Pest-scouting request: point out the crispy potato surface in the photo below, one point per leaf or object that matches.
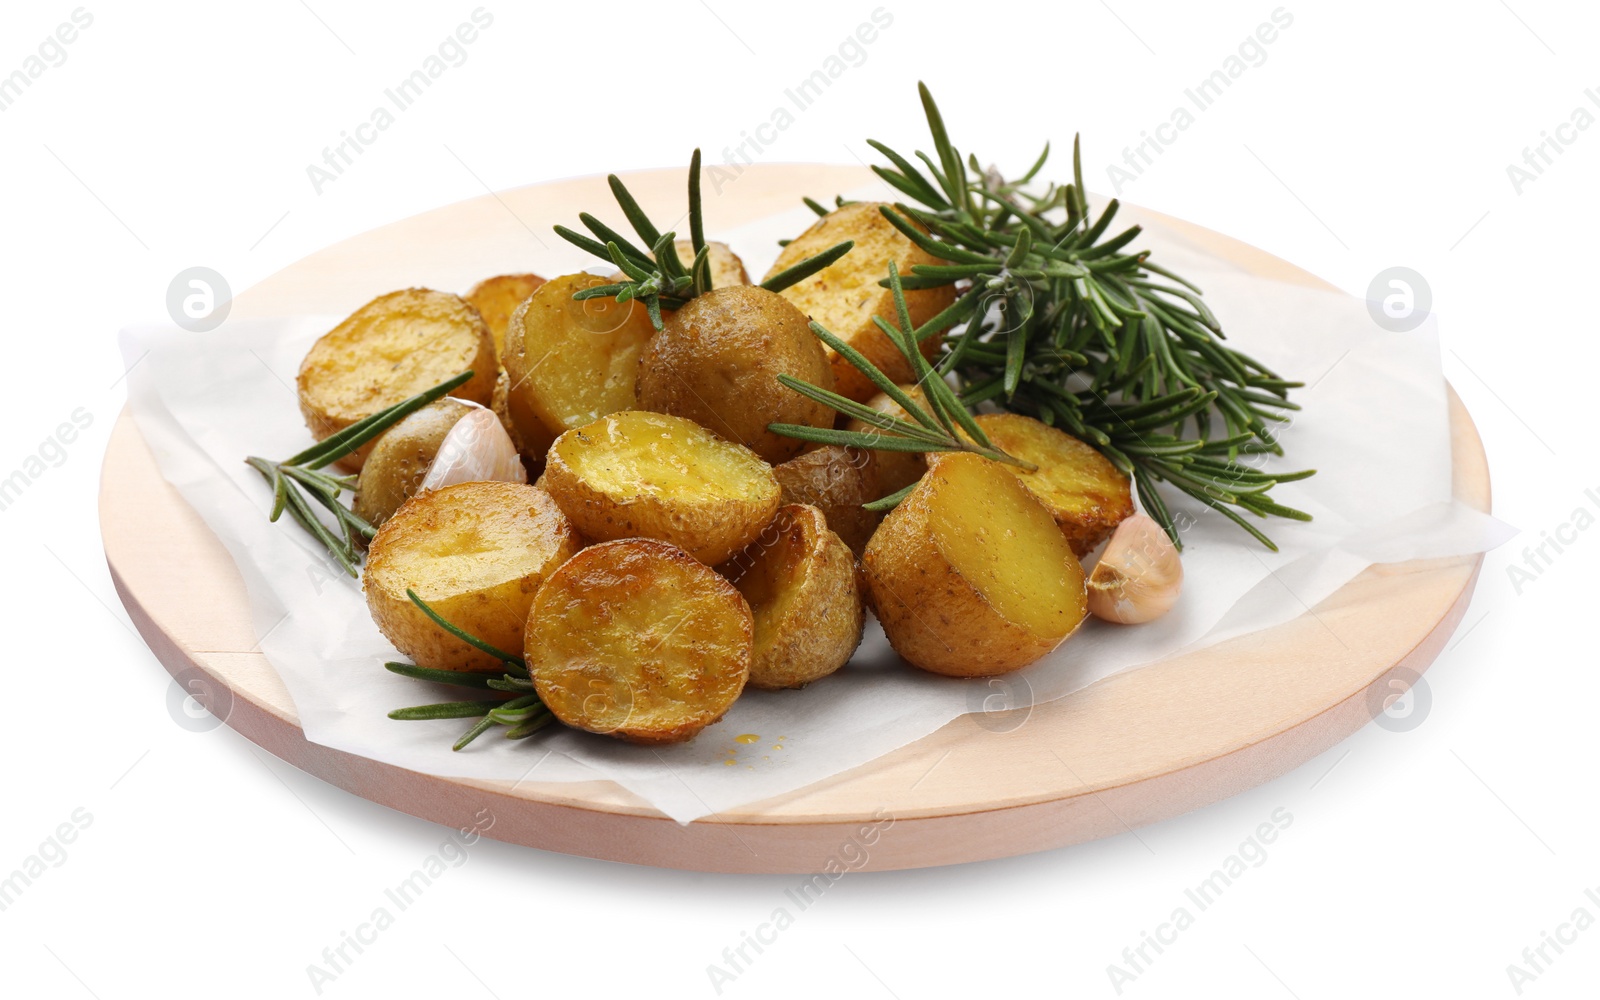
(638, 640)
(497, 298)
(837, 481)
(393, 471)
(717, 362)
(392, 348)
(970, 576)
(799, 579)
(844, 296)
(571, 362)
(1084, 492)
(477, 553)
(654, 475)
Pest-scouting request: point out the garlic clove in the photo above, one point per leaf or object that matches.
(1139, 576)
(476, 450)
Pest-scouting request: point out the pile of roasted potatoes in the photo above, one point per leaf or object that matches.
(658, 547)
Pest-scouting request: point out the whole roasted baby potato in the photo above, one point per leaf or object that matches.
(638, 640)
(844, 296)
(799, 579)
(476, 553)
(393, 471)
(390, 349)
(837, 481)
(896, 469)
(717, 362)
(970, 576)
(653, 475)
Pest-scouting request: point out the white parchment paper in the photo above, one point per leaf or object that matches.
(1375, 425)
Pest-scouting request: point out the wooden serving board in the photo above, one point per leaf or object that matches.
(1134, 749)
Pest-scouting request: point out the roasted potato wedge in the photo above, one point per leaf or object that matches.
(726, 267)
(844, 296)
(896, 469)
(569, 362)
(970, 576)
(717, 362)
(638, 640)
(837, 481)
(497, 298)
(390, 349)
(401, 457)
(477, 553)
(799, 579)
(654, 475)
(1084, 492)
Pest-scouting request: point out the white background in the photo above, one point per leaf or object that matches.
(1418, 863)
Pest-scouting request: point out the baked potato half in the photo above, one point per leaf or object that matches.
(497, 298)
(970, 576)
(845, 296)
(1084, 492)
(570, 362)
(717, 361)
(393, 471)
(639, 640)
(390, 349)
(653, 475)
(837, 481)
(799, 579)
(477, 553)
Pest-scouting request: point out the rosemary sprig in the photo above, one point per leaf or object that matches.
(522, 715)
(1074, 330)
(945, 424)
(658, 277)
(297, 476)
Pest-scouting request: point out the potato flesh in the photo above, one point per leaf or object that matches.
(1087, 495)
(578, 360)
(652, 453)
(636, 639)
(497, 298)
(1004, 543)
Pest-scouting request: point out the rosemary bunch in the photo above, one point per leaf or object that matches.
(1060, 321)
(659, 278)
(296, 480)
(523, 714)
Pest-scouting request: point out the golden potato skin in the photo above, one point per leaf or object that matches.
(836, 480)
(477, 553)
(653, 475)
(799, 579)
(726, 267)
(638, 640)
(570, 362)
(497, 298)
(401, 457)
(896, 469)
(969, 575)
(1084, 492)
(717, 362)
(844, 296)
(390, 349)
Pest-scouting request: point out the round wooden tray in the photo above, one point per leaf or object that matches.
(1134, 749)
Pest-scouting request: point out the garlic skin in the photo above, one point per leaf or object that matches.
(476, 450)
(1139, 577)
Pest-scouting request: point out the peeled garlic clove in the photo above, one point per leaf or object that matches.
(476, 450)
(1139, 576)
